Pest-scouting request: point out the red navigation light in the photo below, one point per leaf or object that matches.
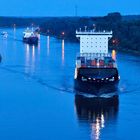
(63, 33)
(115, 41)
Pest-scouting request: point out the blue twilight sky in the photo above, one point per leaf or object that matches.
(67, 7)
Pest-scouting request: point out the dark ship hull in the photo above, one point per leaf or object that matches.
(99, 103)
(31, 40)
(96, 82)
(96, 88)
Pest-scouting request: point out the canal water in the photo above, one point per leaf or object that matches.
(38, 102)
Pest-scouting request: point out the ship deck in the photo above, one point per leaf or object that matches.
(95, 60)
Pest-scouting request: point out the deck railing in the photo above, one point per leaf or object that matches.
(93, 32)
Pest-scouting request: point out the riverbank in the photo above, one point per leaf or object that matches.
(126, 29)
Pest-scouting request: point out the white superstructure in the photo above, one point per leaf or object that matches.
(30, 33)
(93, 42)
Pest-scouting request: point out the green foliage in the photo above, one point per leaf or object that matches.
(126, 29)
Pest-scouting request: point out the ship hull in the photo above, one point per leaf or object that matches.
(88, 81)
(31, 40)
(95, 88)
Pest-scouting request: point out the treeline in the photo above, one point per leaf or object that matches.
(7, 22)
(126, 32)
(126, 29)
(65, 27)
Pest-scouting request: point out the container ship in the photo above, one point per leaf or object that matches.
(31, 36)
(96, 70)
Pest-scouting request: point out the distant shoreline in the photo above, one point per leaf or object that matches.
(126, 29)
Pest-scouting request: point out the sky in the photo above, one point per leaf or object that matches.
(67, 7)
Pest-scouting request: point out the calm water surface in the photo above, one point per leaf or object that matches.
(37, 100)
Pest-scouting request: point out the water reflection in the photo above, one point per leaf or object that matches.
(14, 32)
(48, 45)
(97, 111)
(38, 48)
(32, 53)
(27, 56)
(63, 51)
